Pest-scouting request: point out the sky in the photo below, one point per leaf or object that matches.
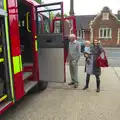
(88, 7)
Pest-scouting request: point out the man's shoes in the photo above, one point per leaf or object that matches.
(72, 83)
(86, 87)
(76, 86)
(98, 90)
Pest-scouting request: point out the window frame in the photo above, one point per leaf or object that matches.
(118, 37)
(103, 33)
(78, 33)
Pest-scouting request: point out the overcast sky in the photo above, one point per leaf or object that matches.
(88, 7)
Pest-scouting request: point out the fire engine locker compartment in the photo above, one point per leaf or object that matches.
(51, 57)
(5, 87)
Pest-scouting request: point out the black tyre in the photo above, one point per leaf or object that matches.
(42, 85)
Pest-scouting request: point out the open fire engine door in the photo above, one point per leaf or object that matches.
(50, 43)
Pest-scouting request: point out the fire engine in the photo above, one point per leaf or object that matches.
(33, 47)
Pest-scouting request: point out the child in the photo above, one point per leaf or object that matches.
(87, 51)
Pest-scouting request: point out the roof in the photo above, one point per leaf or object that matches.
(106, 9)
(118, 16)
(82, 21)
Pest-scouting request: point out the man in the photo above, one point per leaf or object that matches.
(73, 57)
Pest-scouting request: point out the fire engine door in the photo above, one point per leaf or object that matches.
(50, 44)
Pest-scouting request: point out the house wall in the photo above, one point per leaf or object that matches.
(112, 23)
(87, 35)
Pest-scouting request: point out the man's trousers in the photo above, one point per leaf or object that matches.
(73, 66)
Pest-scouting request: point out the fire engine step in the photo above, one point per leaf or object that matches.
(26, 75)
(5, 104)
(29, 85)
(27, 64)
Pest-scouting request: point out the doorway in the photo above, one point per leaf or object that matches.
(26, 42)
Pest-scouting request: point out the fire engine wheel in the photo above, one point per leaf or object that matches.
(43, 85)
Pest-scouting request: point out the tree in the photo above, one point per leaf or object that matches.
(65, 15)
(52, 15)
(39, 1)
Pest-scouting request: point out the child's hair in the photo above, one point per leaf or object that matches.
(87, 42)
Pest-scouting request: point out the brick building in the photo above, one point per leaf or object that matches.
(105, 26)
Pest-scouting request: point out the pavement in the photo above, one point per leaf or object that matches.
(62, 102)
(117, 71)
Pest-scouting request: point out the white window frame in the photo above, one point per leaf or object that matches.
(118, 39)
(103, 31)
(105, 16)
(78, 33)
(83, 33)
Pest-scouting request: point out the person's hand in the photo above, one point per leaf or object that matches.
(67, 60)
(86, 55)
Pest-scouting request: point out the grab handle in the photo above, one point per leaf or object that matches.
(27, 21)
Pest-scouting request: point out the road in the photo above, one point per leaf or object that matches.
(113, 55)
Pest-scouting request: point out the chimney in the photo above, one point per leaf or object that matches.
(118, 12)
(71, 7)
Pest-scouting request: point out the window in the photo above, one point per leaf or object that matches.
(43, 24)
(105, 16)
(105, 33)
(78, 33)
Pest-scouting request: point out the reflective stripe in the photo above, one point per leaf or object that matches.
(16, 64)
(8, 51)
(36, 45)
(3, 98)
(1, 60)
(0, 49)
(5, 5)
(21, 63)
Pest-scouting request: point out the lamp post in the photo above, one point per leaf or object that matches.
(71, 8)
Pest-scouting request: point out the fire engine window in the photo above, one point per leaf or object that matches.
(46, 26)
(39, 24)
(50, 19)
(43, 24)
(57, 26)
